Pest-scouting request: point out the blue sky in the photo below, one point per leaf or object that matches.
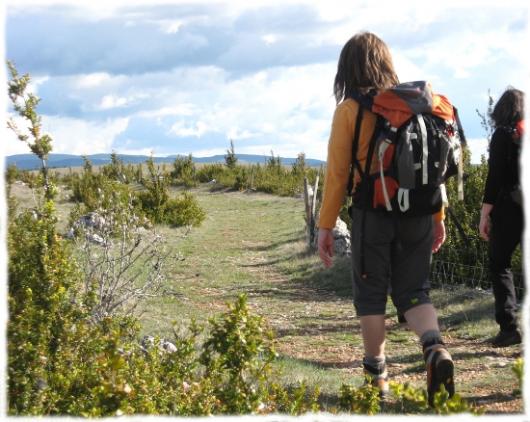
(173, 77)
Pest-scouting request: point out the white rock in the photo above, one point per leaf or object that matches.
(342, 239)
(168, 346)
(95, 238)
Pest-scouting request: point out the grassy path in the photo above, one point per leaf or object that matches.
(254, 243)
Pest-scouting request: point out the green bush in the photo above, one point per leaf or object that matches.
(414, 400)
(160, 208)
(209, 172)
(12, 174)
(518, 370)
(184, 172)
(87, 186)
(118, 171)
(183, 211)
(238, 356)
(363, 400)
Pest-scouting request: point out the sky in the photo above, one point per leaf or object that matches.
(175, 77)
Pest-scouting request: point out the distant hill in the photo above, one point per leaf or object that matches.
(31, 162)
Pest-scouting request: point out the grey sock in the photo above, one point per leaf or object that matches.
(431, 337)
(375, 364)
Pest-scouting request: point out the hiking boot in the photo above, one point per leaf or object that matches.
(377, 380)
(506, 338)
(440, 371)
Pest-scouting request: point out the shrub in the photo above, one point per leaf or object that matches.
(184, 172)
(121, 261)
(363, 400)
(183, 211)
(156, 194)
(238, 356)
(299, 167)
(117, 171)
(209, 172)
(414, 400)
(157, 205)
(12, 174)
(87, 186)
(294, 400)
(518, 370)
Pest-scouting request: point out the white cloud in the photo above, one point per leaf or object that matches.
(93, 80)
(269, 38)
(197, 130)
(112, 101)
(74, 136)
(236, 133)
(171, 26)
(409, 70)
(186, 109)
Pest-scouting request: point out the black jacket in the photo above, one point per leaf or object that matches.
(503, 166)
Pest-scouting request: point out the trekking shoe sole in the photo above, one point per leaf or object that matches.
(441, 372)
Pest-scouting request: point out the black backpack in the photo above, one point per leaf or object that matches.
(414, 148)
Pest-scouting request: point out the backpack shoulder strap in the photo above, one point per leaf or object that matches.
(355, 146)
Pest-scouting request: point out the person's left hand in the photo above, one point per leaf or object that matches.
(438, 235)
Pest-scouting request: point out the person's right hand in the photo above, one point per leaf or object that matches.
(485, 222)
(484, 227)
(325, 246)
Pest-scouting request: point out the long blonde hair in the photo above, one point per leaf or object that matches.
(365, 62)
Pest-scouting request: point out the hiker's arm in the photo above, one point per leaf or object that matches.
(494, 180)
(337, 167)
(497, 160)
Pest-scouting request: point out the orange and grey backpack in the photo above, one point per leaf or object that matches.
(416, 145)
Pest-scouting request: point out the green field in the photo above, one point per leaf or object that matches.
(254, 243)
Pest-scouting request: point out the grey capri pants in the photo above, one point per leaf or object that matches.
(397, 254)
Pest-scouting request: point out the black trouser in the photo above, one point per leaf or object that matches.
(505, 235)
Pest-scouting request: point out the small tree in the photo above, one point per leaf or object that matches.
(125, 266)
(274, 163)
(25, 105)
(156, 196)
(230, 157)
(115, 170)
(486, 120)
(299, 166)
(184, 171)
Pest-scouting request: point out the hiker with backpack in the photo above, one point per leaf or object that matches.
(392, 146)
(501, 217)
